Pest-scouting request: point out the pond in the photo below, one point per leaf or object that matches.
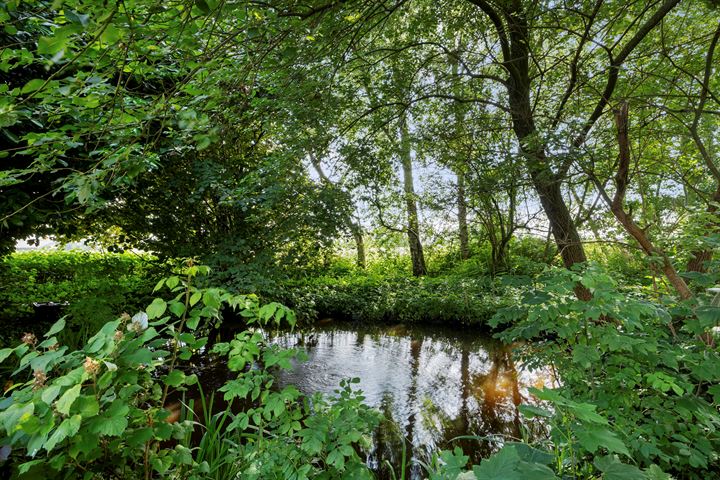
(432, 384)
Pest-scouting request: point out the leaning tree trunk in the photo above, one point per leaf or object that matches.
(546, 183)
(700, 258)
(617, 208)
(413, 224)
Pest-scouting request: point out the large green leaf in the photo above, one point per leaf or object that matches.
(67, 399)
(614, 469)
(500, 465)
(67, 428)
(594, 437)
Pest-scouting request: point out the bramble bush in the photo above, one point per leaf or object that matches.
(642, 365)
(99, 411)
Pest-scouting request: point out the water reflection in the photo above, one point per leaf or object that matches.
(432, 385)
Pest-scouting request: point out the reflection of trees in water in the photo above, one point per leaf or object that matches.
(488, 407)
(390, 439)
(434, 390)
(415, 350)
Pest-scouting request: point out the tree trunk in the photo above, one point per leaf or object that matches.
(360, 259)
(354, 227)
(700, 258)
(698, 262)
(462, 216)
(621, 182)
(546, 183)
(413, 224)
(459, 173)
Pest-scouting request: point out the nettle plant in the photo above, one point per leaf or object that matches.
(99, 412)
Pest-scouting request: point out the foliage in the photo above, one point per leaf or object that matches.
(95, 286)
(100, 409)
(449, 300)
(642, 365)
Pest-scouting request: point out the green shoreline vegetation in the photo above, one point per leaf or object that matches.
(544, 172)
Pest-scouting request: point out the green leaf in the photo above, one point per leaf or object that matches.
(159, 285)
(57, 327)
(87, 406)
(112, 422)
(111, 34)
(139, 356)
(613, 469)
(531, 411)
(76, 17)
(593, 437)
(5, 353)
(193, 321)
(500, 465)
(653, 472)
(156, 308)
(33, 85)
(50, 393)
(715, 392)
(174, 378)
(585, 412)
(203, 6)
(172, 282)
(531, 454)
(67, 399)
(177, 308)
(67, 428)
(195, 297)
(708, 315)
(139, 437)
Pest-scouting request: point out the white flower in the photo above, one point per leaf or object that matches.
(138, 322)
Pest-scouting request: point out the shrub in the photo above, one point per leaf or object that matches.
(649, 375)
(443, 300)
(98, 412)
(95, 285)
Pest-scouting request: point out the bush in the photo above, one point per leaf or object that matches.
(443, 300)
(652, 381)
(98, 412)
(95, 285)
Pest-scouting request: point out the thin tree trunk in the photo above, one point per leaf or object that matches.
(354, 227)
(413, 224)
(459, 173)
(462, 216)
(360, 259)
(621, 182)
(700, 258)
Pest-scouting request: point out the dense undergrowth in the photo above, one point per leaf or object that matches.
(448, 300)
(639, 396)
(95, 287)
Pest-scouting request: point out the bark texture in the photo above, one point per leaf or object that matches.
(413, 223)
(462, 217)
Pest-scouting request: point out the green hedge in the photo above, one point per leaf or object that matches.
(95, 285)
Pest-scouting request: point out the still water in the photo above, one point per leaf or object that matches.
(432, 384)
